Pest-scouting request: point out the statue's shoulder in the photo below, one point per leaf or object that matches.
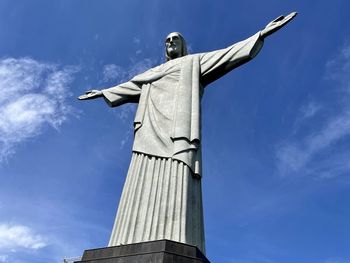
(180, 60)
(149, 75)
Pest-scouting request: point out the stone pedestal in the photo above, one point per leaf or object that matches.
(160, 251)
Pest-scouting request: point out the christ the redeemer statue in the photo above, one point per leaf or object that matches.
(162, 196)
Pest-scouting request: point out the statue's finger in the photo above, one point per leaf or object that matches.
(291, 16)
(274, 22)
(88, 91)
(82, 97)
(278, 19)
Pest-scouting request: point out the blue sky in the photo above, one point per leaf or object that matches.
(276, 131)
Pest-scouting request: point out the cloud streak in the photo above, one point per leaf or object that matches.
(294, 156)
(116, 73)
(33, 95)
(13, 237)
(3, 258)
(336, 260)
(16, 239)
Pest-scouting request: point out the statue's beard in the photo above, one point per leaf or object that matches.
(173, 52)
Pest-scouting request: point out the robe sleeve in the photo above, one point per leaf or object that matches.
(123, 93)
(217, 63)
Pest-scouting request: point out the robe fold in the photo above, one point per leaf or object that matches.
(167, 129)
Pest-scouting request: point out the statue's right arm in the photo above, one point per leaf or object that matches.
(116, 96)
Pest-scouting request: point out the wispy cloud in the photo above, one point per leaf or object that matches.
(13, 237)
(112, 72)
(299, 155)
(309, 110)
(116, 73)
(336, 260)
(18, 240)
(33, 94)
(295, 155)
(306, 113)
(338, 68)
(4, 258)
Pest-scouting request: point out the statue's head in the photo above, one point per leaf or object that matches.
(175, 46)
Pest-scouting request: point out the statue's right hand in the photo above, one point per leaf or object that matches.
(90, 94)
(277, 24)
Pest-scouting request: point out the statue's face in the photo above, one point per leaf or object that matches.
(173, 45)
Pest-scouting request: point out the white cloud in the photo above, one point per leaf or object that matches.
(294, 156)
(310, 110)
(297, 155)
(127, 136)
(126, 111)
(14, 237)
(112, 72)
(116, 73)
(306, 113)
(33, 94)
(139, 67)
(4, 258)
(338, 68)
(336, 260)
(136, 41)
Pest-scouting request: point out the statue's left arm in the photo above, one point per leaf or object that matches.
(217, 63)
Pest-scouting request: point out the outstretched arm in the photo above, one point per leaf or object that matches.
(277, 24)
(217, 63)
(116, 96)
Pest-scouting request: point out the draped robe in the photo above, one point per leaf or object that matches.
(162, 197)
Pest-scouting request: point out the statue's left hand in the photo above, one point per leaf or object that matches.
(277, 24)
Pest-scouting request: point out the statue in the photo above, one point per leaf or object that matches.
(162, 197)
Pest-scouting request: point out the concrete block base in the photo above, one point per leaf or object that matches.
(160, 251)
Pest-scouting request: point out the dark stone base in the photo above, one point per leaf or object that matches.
(160, 251)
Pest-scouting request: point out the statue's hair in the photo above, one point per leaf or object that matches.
(184, 51)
